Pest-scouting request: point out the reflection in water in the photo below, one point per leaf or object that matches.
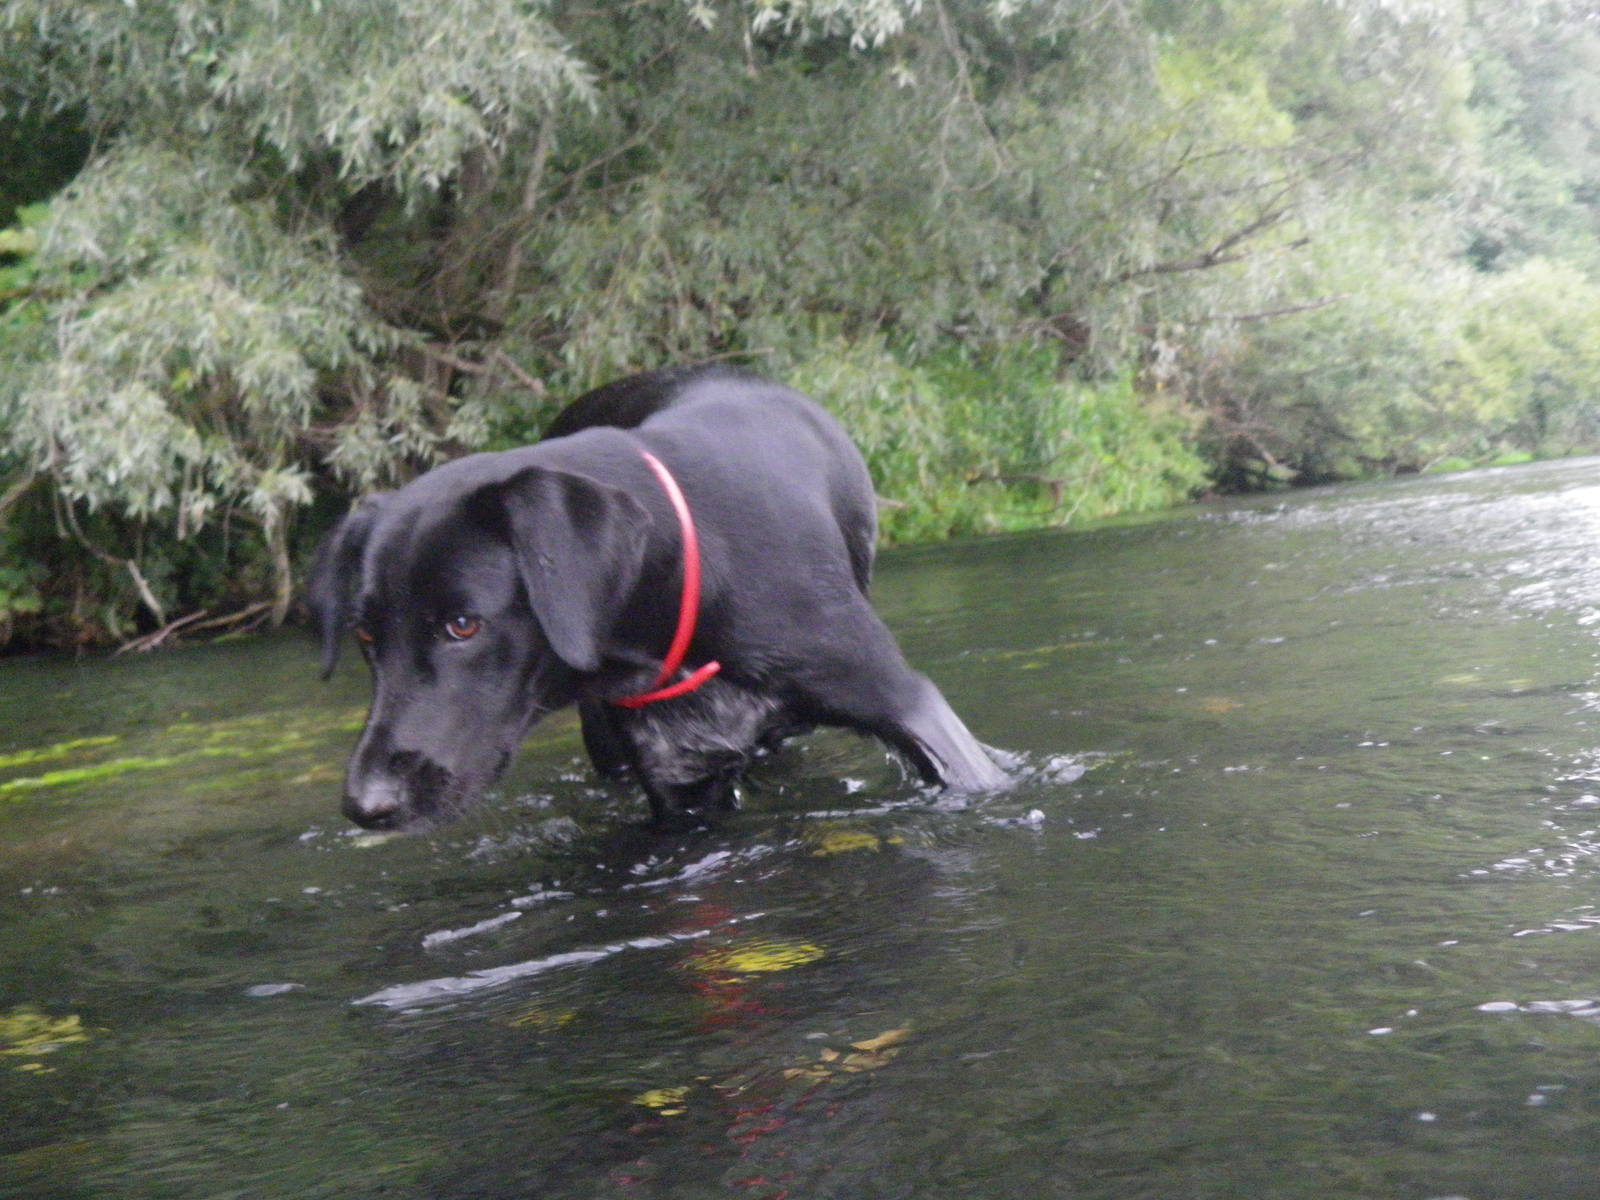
(413, 995)
(1296, 897)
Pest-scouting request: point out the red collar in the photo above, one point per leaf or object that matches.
(688, 603)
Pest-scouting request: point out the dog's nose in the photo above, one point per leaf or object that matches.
(377, 809)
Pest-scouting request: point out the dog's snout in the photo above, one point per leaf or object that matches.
(375, 787)
(401, 788)
(374, 809)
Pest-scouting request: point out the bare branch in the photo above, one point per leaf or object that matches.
(248, 617)
(1221, 254)
(532, 185)
(440, 355)
(1290, 309)
(150, 641)
(140, 584)
(536, 386)
(16, 491)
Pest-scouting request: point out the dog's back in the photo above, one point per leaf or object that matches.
(767, 426)
(628, 403)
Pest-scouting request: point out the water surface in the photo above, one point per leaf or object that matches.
(1297, 897)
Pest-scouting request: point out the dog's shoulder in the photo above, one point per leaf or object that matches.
(629, 402)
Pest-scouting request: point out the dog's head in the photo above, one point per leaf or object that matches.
(478, 605)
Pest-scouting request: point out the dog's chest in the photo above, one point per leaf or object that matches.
(709, 733)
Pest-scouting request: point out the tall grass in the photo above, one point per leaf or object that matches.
(970, 441)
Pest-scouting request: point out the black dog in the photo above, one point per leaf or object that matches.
(499, 587)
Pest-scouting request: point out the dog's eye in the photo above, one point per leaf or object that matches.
(459, 629)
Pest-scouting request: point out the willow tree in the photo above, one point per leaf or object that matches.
(210, 342)
(1129, 188)
(262, 273)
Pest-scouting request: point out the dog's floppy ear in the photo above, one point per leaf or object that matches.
(580, 548)
(334, 572)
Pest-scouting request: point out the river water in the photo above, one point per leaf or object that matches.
(1298, 896)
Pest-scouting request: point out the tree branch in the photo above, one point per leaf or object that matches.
(140, 584)
(150, 641)
(536, 386)
(1219, 255)
(532, 184)
(17, 491)
(251, 614)
(1291, 309)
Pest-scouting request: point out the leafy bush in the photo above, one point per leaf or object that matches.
(965, 441)
(1420, 361)
(1532, 359)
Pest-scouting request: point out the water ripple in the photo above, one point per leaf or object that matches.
(408, 996)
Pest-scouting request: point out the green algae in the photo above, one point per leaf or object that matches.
(89, 774)
(249, 739)
(22, 758)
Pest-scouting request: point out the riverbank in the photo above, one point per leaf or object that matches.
(982, 508)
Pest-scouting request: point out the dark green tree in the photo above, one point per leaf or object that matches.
(1037, 253)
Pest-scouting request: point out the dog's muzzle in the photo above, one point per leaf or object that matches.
(377, 807)
(409, 788)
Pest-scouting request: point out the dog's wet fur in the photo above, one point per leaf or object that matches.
(502, 586)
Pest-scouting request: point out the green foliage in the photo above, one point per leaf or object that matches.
(1423, 360)
(1038, 254)
(970, 442)
(1087, 189)
(395, 91)
(1536, 84)
(211, 352)
(1533, 358)
(20, 596)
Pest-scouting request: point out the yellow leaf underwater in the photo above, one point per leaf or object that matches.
(668, 1101)
(1217, 705)
(843, 841)
(25, 1032)
(874, 1052)
(755, 957)
(876, 1045)
(855, 1063)
(542, 1020)
(814, 1074)
(866, 1055)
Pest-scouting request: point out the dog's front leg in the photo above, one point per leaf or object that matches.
(609, 747)
(856, 677)
(687, 762)
(940, 744)
(689, 752)
(685, 805)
